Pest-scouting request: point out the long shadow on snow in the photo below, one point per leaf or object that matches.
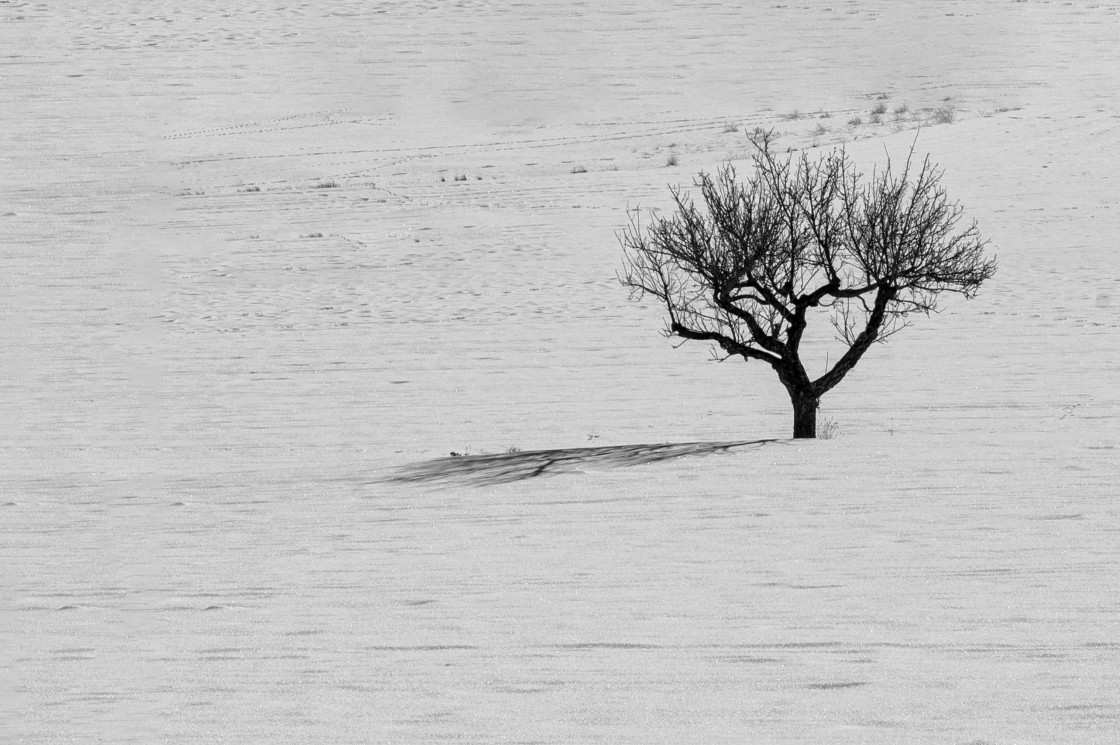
(504, 468)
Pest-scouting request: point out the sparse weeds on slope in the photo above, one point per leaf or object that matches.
(945, 114)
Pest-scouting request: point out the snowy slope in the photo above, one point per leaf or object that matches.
(261, 263)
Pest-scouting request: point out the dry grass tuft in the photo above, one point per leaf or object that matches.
(944, 115)
(828, 429)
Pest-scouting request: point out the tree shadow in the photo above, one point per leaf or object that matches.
(505, 468)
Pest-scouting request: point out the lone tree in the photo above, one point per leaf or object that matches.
(743, 269)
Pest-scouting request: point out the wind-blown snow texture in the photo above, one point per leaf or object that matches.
(265, 267)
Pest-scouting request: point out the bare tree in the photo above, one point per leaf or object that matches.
(743, 269)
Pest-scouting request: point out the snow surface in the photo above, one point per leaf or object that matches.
(249, 309)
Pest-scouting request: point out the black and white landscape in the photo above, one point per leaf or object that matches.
(266, 266)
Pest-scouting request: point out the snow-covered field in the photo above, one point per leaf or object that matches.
(263, 264)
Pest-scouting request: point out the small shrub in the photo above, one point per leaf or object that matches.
(672, 160)
(795, 114)
(901, 110)
(820, 129)
(855, 121)
(461, 177)
(944, 115)
(251, 188)
(876, 118)
(579, 169)
(880, 109)
(730, 127)
(329, 184)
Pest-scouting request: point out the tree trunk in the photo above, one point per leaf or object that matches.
(804, 415)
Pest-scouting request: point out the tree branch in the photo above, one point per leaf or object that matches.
(858, 346)
(728, 344)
